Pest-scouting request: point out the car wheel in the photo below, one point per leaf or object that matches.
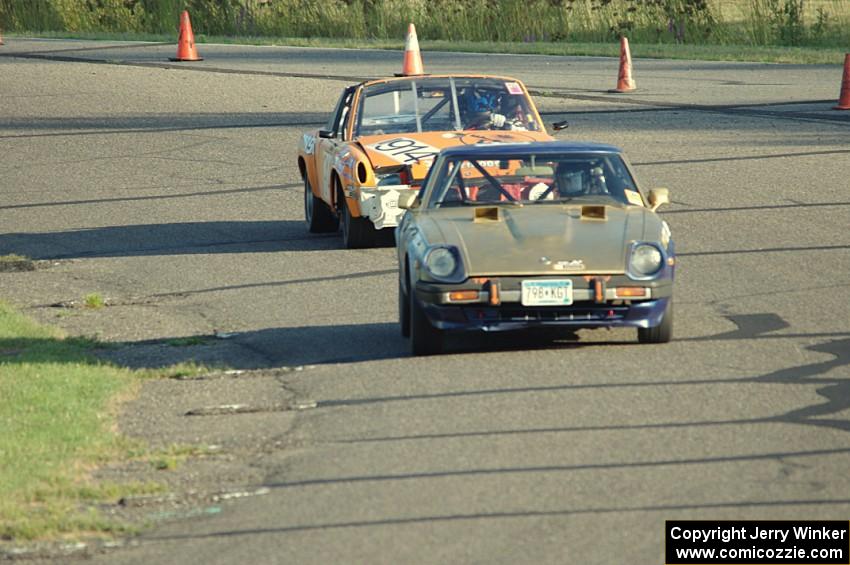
(663, 332)
(356, 232)
(425, 339)
(403, 311)
(317, 214)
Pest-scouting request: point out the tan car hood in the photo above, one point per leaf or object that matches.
(517, 242)
(419, 149)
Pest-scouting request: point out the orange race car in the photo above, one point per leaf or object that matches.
(383, 136)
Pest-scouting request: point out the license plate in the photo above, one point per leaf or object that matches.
(552, 292)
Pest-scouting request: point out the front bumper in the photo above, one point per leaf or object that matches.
(380, 205)
(594, 305)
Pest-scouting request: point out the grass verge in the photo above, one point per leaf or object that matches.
(58, 407)
(740, 53)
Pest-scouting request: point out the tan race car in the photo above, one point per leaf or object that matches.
(516, 236)
(383, 136)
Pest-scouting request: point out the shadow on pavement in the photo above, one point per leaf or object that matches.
(184, 238)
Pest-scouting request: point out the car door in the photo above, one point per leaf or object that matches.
(329, 143)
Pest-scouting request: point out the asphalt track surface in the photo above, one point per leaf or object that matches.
(172, 189)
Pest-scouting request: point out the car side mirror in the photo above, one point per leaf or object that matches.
(326, 134)
(657, 197)
(408, 199)
(558, 126)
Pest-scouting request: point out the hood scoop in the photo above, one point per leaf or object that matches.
(589, 212)
(486, 214)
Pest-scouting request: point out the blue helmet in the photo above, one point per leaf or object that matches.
(485, 102)
(481, 101)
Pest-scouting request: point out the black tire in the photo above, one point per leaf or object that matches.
(403, 311)
(318, 215)
(425, 339)
(663, 332)
(357, 232)
(566, 334)
(385, 237)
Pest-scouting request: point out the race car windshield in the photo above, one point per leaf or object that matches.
(443, 104)
(533, 179)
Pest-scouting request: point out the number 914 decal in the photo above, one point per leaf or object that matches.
(405, 150)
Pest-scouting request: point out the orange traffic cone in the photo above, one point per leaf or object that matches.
(625, 82)
(186, 42)
(844, 98)
(412, 65)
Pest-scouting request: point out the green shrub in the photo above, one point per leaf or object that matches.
(753, 22)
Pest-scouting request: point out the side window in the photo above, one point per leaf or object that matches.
(336, 123)
(332, 121)
(442, 178)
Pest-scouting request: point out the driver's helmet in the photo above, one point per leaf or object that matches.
(480, 104)
(576, 179)
(571, 178)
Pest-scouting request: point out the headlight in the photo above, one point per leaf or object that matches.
(443, 263)
(645, 260)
